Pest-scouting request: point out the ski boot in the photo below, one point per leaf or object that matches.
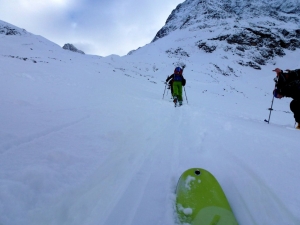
(175, 101)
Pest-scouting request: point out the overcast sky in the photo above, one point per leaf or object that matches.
(100, 27)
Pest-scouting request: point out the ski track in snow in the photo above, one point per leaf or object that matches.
(263, 193)
(30, 138)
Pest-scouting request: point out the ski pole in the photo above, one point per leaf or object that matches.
(184, 87)
(164, 91)
(268, 121)
(185, 95)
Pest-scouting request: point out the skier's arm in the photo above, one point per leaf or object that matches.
(183, 81)
(170, 77)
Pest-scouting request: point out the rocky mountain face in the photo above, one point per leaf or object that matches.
(72, 48)
(255, 30)
(8, 29)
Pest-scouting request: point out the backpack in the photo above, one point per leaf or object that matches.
(293, 75)
(178, 74)
(286, 78)
(292, 90)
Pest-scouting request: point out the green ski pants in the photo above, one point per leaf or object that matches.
(177, 90)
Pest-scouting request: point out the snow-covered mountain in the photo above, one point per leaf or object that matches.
(255, 30)
(90, 140)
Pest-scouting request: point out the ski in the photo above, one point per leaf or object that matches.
(201, 200)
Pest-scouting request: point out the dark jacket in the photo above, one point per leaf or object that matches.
(291, 90)
(171, 79)
(286, 78)
(288, 84)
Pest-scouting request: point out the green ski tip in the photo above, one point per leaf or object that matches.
(200, 200)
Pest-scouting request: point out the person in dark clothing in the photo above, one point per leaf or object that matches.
(288, 85)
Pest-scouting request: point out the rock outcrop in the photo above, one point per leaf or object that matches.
(72, 48)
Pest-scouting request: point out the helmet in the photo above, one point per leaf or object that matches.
(178, 70)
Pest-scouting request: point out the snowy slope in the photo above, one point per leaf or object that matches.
(89, 140)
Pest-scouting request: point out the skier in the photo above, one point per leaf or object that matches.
(178, 82)
(288, 85)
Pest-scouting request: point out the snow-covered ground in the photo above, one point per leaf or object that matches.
(86, 140)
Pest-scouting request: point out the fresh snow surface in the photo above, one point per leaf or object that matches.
(86, 140)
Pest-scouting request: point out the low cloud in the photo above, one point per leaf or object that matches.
(95, 27)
